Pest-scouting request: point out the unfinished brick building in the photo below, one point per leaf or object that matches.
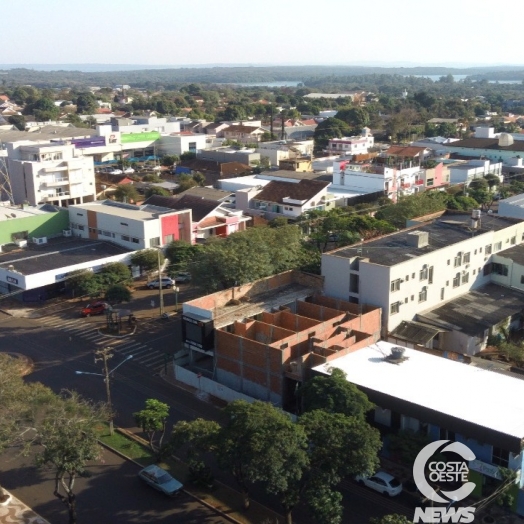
(268, 356)
(263, 338)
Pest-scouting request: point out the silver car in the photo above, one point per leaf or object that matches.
(160, 479)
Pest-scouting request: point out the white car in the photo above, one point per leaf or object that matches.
(116, 172)
(128, 171)
(166, 283)
(382, 482)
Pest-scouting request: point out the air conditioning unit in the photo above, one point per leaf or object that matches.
(21, 242)
(67, 233)
(39, 240)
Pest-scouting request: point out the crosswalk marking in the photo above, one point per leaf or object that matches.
(142, 353)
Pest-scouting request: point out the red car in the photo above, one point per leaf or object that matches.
(96, 308)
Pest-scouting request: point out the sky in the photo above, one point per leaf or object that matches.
(276, 32)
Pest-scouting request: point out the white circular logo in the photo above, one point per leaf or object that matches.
(440, 471)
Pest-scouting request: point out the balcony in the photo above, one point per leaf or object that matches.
(405, 186)
(57, 182)
(419, 182)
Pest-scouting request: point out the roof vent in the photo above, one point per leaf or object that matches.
(396, 356)
(418, 238)
(505, 140)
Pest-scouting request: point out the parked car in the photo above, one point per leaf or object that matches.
(116, 172)
(182, 277)
(128, 171)
(166, 282)
(95, 308)
(160, 479)
(382, 482)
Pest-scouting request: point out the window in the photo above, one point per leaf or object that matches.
(456, 280)
(123, 224)
(446, 434)
(168, 239)
(487, 249)
(125, 238)
(522, 279)
(474, 272)
(513, 241)
(458, 260)
(476, 251)
(500, 457)
(466, 258)
(406, 300)
(412, 298)
(499, 269)
(407, 278)
(497, 246)
(487, 269)
(154, 242)
(480, 250)
(448, 262)
(423, 294)
(442, 290)
(430, 275)
(465, 278)
(412, 275)
(135, 240)
(394, 308)
(424, 273)
(395, 285)
(80, 214)
(81, 228)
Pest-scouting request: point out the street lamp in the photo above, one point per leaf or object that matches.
(176, 289)
(160, 290)
(105, 355)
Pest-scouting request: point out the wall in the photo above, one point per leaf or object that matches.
(41, 225)
(515, 277)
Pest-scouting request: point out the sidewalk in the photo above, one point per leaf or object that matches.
(16, 512)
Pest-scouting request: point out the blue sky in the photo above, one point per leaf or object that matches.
(184, 32)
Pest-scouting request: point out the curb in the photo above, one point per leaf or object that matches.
(140, 440)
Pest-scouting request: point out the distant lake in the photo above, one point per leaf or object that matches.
(284, 83)
(504, 81)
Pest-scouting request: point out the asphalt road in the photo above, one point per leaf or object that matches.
(56, 359)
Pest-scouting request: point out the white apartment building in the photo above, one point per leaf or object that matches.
(365, 178)
(49, 172)
(351, 145)
(178, 143)
(417, 269)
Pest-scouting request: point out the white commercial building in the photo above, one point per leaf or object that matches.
(50, 172)
(178, 143)
(512, 207)
(465, 173)
(417, 269)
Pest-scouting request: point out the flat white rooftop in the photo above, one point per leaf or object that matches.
(486, 398)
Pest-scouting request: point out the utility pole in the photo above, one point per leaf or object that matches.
(160, 290)
(104, 355)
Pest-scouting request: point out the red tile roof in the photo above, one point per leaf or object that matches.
(276, 191)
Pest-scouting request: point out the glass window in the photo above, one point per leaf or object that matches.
(154, 241)
(423, 294)
(125, 238)
(500, 457)
(395, 285)
(456, 280)
(497, 246)
(513, 240)
(466, 258)
(458, 260)
(465, 278)
(499, 269)
(394, 308)
(424, 273)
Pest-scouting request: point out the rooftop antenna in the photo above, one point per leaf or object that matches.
(5, 181)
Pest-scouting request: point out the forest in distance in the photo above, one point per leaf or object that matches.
(310, 76)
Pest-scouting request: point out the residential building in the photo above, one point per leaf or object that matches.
(282, 150)
(479, 408)
(512, 207)
(227, 154)
(285, 199)
(134, 227)
(302, 164)
(245, 134)
(352, 145)
(498, 149)
(50, 172)
(417, 269)
(210, 217)
(262, 338)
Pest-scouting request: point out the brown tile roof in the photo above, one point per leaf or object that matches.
(404, 151)
(200, 207)
(233, 169)
(487, 143)
(276, 191)
(221, 169)
(242, 129)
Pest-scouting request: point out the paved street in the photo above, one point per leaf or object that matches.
(46, 341)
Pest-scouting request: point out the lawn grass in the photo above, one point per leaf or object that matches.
(125, 445)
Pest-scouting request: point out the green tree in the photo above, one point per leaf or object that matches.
(20, 404)
(199, 178)
(152, 177)
(114, 273)
(147, 259)
(156, 190)
(355, 117)
(334, 394)
(69, 440)
(261, 443)
(44, 109)
(118, 293)
(181, 254)
(330, 128)
(169, 160)
(187, 155)
(391, 519)
(126, 193)
(152, 419)
(86, 103)
(84, 282)
(185, 182)
(18, 121)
